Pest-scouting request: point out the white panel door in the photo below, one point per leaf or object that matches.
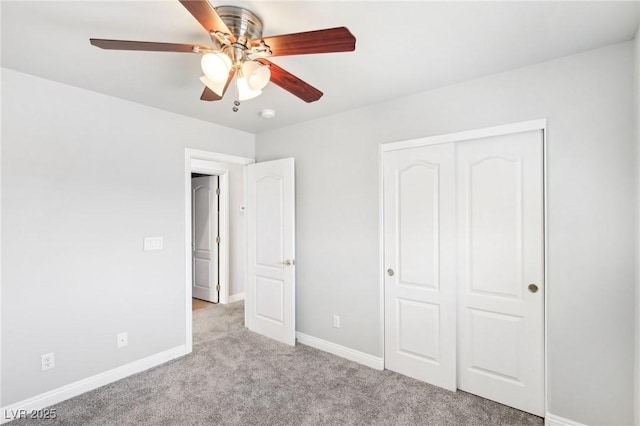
(204, 223)
(419, 257)
(270, 292)
(500, 255)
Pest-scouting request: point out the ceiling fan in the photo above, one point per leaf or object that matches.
(240, 50)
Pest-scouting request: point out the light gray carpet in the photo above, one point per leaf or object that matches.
(236, 377)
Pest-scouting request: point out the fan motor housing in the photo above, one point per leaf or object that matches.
(243, 23)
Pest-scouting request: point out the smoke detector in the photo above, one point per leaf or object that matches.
(268, 114)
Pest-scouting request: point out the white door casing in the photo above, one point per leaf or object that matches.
(419, 235)
(210, 163)
(204, 232)
(270, 290)
(500, 253)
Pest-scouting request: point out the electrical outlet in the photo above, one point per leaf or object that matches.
(123, 340)
(48, 361)
(336, 321)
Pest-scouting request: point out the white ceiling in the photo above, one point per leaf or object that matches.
(402, 48)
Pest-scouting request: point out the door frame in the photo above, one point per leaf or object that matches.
(519, 127)
(206, 162)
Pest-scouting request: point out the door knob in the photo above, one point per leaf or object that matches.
(533, 288)
(286, 262)
(390, 272)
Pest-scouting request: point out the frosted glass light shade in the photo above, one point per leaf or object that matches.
(216, 66)
(257, 75)
(216, 87)
(244, 91)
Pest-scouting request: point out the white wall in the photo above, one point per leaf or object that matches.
(636, 76)
(84, 178)
(588, 101)
(237, 243)
(237, 235)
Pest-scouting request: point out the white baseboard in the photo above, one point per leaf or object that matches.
(235, 297)
(341, 351)
(553, 420)
(60, 394)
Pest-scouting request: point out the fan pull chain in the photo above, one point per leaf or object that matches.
(236, 103)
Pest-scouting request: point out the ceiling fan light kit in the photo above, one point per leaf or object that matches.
(239, 51)
(217, 88)
(244, 91)
(257, 74)
(216, 66)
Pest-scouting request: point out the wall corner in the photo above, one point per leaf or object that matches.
(636, 82)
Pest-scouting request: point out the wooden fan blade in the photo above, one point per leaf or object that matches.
(143, 45)
(292, 84)
(210, 95)
(319, 41)
(207, 16)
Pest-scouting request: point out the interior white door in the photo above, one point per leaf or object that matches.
(270, 292)
(204, 224)
(501, 271)
(419, 257)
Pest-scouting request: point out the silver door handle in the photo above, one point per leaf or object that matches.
(288, 262)
(390, 272)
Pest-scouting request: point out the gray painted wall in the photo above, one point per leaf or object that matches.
(84, 178)
(637, 334)
(237, 235)
(588, 101)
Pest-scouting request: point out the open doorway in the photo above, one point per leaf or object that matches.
(215, 248)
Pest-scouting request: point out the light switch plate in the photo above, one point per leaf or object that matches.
(153, 243)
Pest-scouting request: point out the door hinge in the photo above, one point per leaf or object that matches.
(217, 191)
(218, 287)
(218, 239)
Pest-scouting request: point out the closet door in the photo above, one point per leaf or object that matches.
(500, 267)
(419, 256)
